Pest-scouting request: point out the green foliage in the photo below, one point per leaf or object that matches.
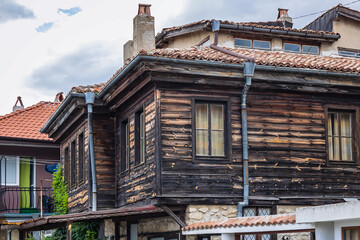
(30, 237)
(59, 234)
(87, 229)
(60, 193)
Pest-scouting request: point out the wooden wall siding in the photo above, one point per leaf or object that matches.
(137, 183)
(181, 176)
(288, 150)
(103, 125)
(79, 195)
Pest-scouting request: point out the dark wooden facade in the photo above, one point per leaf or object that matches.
(286, 127)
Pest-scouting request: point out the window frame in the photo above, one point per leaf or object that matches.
(137, 134)
(73, 164)
(66, 172)
(301, 47)
(123, 121)
(17, 177)
(81, 158)
(354, 131)
(227, 129)
(252, 43)
(349, 228)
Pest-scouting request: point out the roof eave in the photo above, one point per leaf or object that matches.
(63, 105)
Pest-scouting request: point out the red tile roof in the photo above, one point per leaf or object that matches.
(244, 222)
(250, 24)
(269, 58)
(96, 88)
(27, 122)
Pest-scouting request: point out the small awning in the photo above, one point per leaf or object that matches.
(250, 225)
(56, 221)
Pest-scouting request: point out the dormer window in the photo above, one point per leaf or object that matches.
(248, 43)
(298, 48)
(349, 52)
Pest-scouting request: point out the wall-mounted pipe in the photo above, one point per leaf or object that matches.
(249, 69)
(90, 100)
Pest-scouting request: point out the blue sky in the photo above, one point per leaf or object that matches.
(49, 46)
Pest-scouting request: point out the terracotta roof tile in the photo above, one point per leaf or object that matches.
(244, 222)
(96, 88)
(27, 122)
(251, 24)
(269, 58)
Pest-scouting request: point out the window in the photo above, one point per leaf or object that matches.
(66, 165)
(261, 44)
(139, 137)
(292, 47)
(81, 155)
(257, 211)
(310, 49)
(247, 43)
(73, 165)
(351, 233)
(125, 146)
(340, 135)
(210, 128)
(10, 168)
(132, 230)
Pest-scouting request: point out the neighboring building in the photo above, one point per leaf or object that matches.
(24, 155)
(169, 131)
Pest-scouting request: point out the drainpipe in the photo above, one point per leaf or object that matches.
(249, 69)
(90, 100)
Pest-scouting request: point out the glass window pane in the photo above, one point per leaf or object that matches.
(264, 211)
(310, 49)
(242, 42)
(142, 137)
(291, 47)
(217, 143)
(127, 147)
(201, 116)
(331, 148)
(262, 44)
(345, 124)
(333, 124)
(351, 234)
(347, 54)
(249, 212)
(346, 153)
(217, 117)
(336, 150)
(10, 164)
(202, 142)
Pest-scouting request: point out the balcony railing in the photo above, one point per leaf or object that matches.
(25, 200)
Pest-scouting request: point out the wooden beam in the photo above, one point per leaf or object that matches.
(173, 215)
(68, 230)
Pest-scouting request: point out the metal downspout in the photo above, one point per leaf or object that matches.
(248, 73)
(90, 100)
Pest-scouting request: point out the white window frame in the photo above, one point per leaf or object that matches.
(17, 173)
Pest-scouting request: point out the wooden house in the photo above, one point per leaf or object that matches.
(168, 128)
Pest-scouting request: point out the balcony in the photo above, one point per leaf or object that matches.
(25, 200)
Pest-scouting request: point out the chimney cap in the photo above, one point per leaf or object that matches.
(16, 107)
(144, 9)
(283, 15)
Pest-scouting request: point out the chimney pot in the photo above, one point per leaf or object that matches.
(59, 97)
(144, 9)
(283, 17)
(16, 107)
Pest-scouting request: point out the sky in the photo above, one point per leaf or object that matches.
(48, 47)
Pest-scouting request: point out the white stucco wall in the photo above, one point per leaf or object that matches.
(339, 225)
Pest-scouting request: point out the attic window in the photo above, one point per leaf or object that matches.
(349, 54)
(292, 47)
(248, 43)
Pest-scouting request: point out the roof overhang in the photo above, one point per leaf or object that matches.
(43, 223)
(250, 225)
(329, 213)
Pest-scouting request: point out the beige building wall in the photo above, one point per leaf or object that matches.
(191, 39)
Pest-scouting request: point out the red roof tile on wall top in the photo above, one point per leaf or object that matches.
(250, 24)
(27, 122)
(244, 222)
(269, 58)
(96, 88)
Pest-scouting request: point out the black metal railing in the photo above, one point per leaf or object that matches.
(26, 200)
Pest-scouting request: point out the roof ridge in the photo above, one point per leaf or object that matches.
(18, 112)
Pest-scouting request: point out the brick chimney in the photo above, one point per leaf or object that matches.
(143, 33)
(283, 17)
(17, 107)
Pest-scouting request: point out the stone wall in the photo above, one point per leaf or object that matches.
(292, 236)
(202, 213)
(150, 226)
